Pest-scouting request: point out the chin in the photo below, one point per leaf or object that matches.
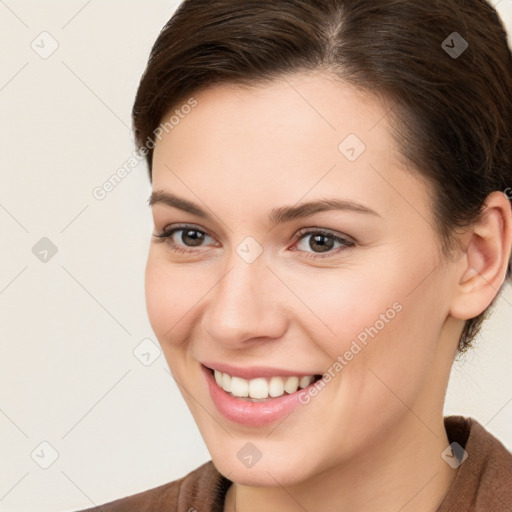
(272, 471)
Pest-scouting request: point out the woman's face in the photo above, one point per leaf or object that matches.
(356, 291)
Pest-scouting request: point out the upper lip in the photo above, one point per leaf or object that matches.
(254, 371)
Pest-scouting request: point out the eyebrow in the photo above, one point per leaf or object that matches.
(276, 216)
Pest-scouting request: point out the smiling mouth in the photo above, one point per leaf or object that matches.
(261, 389)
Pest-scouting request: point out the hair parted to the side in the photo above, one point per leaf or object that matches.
(452, 117)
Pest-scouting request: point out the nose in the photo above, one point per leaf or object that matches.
(246, 305)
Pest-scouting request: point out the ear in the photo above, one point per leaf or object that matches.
(483, 267)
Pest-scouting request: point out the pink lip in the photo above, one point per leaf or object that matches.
(254, 414)
(254, 371)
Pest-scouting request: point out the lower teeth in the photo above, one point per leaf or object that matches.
(250, 399)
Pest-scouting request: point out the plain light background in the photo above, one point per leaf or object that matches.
(71, 385)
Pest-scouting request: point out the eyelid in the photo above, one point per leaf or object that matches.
(325, 231)
(167, 232)
(345, 240)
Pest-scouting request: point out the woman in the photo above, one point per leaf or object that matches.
(331, 199)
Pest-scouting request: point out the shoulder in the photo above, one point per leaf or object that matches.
(203, 487)
(484, 474)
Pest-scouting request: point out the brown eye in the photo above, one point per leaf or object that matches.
(191, 237)
(322, 243)
(315, 242)
(182, 239)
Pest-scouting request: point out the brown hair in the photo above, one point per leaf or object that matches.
(451, 115)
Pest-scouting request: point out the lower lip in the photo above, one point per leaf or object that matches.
(251, 413)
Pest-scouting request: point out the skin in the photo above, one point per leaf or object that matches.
(372, 439)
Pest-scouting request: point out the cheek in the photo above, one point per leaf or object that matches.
(171, 293)
(349, 304)
(382, 351)
(375, 315)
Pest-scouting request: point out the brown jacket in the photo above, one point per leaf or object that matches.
(483, 482)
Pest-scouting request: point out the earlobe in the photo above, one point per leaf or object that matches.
(486, 259)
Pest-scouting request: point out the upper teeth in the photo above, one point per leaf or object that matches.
(261, 387)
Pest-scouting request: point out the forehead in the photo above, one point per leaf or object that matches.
(303, 134)
(291, 110)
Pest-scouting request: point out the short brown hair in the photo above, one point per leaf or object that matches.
(452, 114)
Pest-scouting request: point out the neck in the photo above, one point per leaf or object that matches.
(405, 472)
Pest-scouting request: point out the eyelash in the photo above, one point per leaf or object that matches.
(165, 236)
